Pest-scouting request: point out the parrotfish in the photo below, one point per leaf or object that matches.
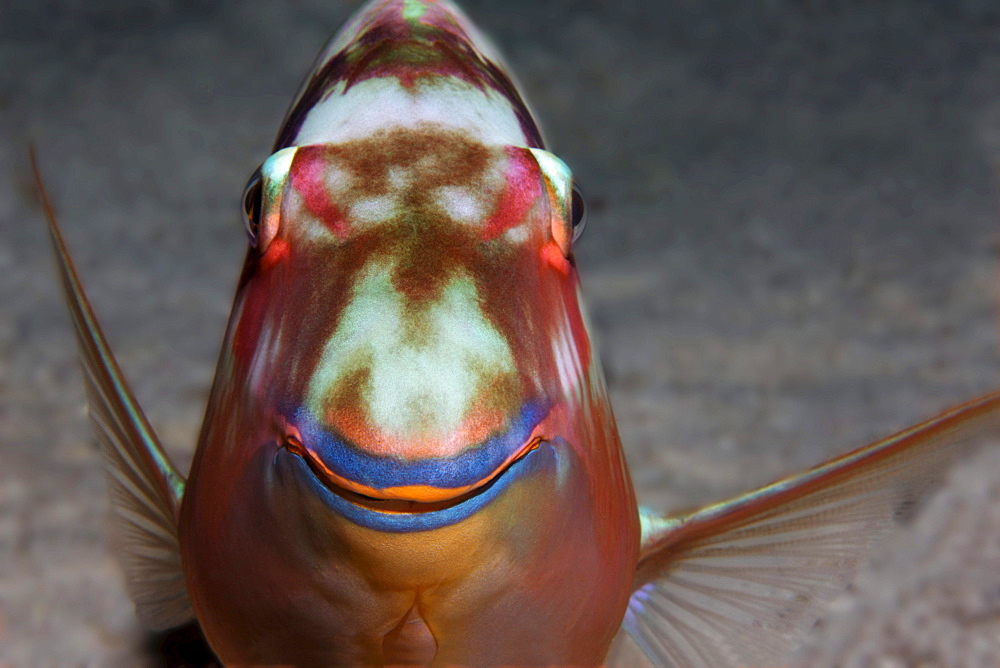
(409, 454)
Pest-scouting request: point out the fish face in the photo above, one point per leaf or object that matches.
(407, 394)
(424, 301)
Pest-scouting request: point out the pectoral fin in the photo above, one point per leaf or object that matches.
(740, 582)
(145, 488)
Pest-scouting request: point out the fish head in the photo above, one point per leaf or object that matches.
(408, 312)
(408, 316)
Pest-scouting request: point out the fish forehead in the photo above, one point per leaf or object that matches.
(403, 62)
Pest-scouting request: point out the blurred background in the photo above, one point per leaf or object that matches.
(791, 250)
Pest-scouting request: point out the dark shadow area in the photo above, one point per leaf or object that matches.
(184, 646)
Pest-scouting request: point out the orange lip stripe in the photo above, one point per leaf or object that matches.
(415, 493)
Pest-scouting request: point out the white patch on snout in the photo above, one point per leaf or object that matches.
(398, 177)
(382, 208)
(516, 236)
(374, 209)
(460, 204)
(426, 365)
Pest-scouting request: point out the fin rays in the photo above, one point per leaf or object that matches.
(145, 488)
(741, 582)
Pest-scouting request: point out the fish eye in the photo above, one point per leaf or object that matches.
(578, 212)
(252, 204)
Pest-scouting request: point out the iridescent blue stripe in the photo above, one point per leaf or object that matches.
(467, 468)
(540, 461)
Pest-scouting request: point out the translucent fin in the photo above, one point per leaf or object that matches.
(625, 652)
(740, 582)
(145, 488)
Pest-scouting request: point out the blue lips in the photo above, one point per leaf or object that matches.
(467, 468)
(541, 461)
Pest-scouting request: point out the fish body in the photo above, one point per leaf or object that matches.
(409, 455)
(456, 474)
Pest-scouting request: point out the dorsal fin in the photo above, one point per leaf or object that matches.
(145, 488)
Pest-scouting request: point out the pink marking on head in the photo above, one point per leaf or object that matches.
(436, 45)
(408, 74)
(441, 18)
(521, 190)
(307, 175)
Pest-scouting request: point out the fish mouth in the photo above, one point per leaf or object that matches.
(406, 499)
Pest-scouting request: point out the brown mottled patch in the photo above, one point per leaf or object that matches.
(444, 157)
(428, 246)
(431, 260)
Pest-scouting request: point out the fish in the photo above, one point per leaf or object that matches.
(409, 455)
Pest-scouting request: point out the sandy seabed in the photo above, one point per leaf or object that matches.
(791, 251)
